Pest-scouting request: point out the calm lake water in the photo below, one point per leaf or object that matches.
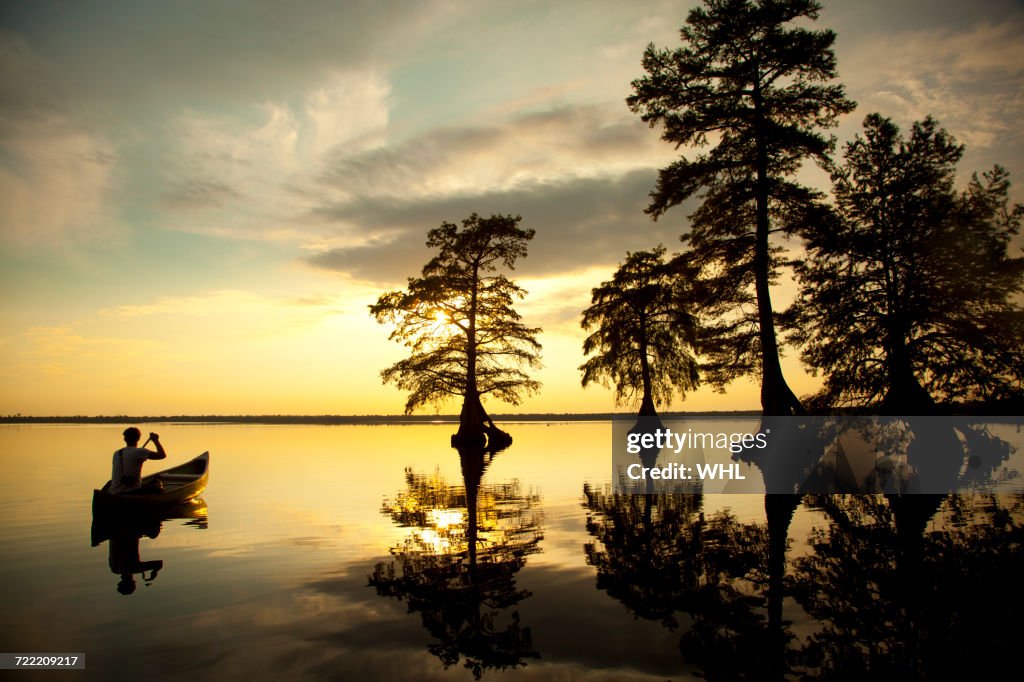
(349, 552)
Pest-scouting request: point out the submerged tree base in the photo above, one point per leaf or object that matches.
(487, 437)
(476, 430)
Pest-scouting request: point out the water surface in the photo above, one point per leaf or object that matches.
(378, 553)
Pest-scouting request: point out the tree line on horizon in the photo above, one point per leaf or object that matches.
(908, 292)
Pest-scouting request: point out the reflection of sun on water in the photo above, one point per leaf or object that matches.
(433, 543)
(446, 532)
(442, 518)
(440, 522)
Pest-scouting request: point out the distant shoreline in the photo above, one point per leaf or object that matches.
(997, 412)
(330, 419)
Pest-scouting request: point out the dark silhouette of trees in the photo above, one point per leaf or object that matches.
(717, 581)
(458, 566)
(758, 87)
(457, 319)
(912, 587)
(644, 331)
(890, 587)
(908, 295)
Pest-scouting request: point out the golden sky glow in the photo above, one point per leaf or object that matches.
(195, 221)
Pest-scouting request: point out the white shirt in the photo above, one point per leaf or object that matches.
(128, 462)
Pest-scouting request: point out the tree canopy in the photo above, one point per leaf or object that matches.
(757, 87)
(909, 294)
(644, 331)
(458, 320)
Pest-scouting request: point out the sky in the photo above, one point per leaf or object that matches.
(198, 200)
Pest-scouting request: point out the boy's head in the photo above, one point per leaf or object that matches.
(132, 435)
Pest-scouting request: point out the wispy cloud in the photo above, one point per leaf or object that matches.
(580, 175)
(522, 150)
(249, 176)
(195, 193)
(234, 303)
(63, 348)
(580, 223)
(54, 174)
(969, 78)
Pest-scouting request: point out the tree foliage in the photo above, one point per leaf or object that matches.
(458, 320)
(644, 331)
(756, 86)
(909, 295)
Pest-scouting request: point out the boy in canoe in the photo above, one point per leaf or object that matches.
(126, 475)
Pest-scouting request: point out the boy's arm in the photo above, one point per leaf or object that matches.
(160, 452)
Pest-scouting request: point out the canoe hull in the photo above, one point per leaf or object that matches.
(181, 483)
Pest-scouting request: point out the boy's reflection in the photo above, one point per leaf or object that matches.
(124, 534)
(124, 555)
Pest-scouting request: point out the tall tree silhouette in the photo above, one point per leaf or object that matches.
(644, 331)
(909, 295)
(459, 322)
(758, 87)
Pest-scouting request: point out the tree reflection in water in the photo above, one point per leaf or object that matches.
(919, 586)
(911, 587)
(707, 576)
(457, 566)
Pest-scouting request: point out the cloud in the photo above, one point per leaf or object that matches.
(579, 175)
(580, 223)
(233, 303)
(249, 176)
(64, 348)
(523, 149)
(152, 77)
(194, 193)
(52, 188)
(54, 174)
(555, 303)
(146, 56)
(969, 78)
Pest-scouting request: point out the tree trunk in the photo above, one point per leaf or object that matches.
(647, 408)
(777, 399)
(471, 419)
(471, 423)
(904, 394)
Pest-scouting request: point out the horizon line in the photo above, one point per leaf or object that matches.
(349, 419)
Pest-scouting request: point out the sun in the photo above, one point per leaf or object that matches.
(441, 324)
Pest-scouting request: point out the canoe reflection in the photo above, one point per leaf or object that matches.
(123, 532)
(457, 567)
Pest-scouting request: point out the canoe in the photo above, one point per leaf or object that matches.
(181, 483)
